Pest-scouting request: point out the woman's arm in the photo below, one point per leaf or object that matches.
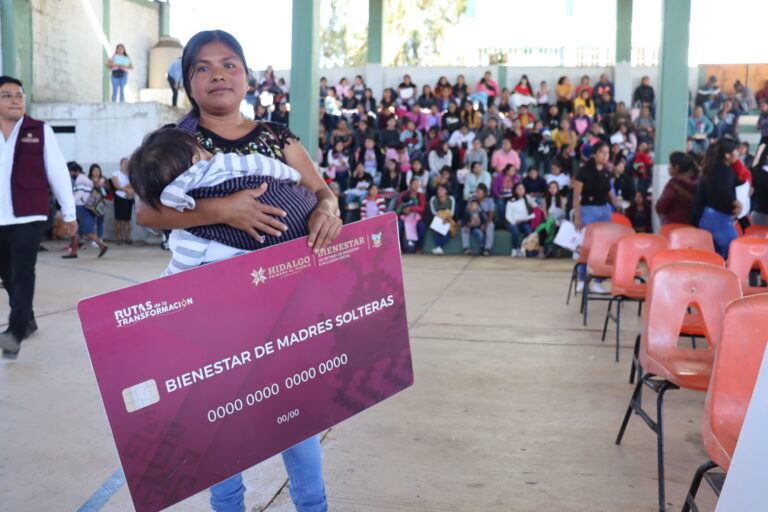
(578, 186)
(324, 225)
(239, 210)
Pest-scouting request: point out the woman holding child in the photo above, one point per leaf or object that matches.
(215, 78)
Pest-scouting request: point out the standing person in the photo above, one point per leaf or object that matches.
(715, 205)
(123, 203)
(676, 201)
(214, 70)
(175, 79)
(592, 197)
(100, 185)
(484, 230)
(85, 218)
(25, 177)
(759, 215)
(119, 63)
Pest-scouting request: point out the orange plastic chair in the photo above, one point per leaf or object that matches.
(625, 285)
(744, 254)
(691, 238)
(581, 260)
(672, 289)
(618, 218)
(738, 228)
(737, 363)
(667, 228)
(601, 256)
(756, 230)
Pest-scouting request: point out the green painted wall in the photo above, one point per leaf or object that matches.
(105, 21)
(17, 41)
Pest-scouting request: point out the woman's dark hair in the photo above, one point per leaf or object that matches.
(397, 164)
(444, 187)
(192, 48)
(163, 155)
(684, 163)
(561, 80)
(125, 52)
(74, 166)
(598, 146)
(92, 168)
(548, 197)
(527, 82)
(10, 80)
(716, 154)
(515, 198)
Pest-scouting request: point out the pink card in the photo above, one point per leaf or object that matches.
(207, 372)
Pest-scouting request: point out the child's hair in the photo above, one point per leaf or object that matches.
(163, 155)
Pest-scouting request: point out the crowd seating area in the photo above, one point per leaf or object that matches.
(419, 138)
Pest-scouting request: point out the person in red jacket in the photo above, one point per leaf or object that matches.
(676, 201)
(413, 195)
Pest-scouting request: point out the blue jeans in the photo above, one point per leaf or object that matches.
(100, 227)
(523, 228)
(480, 234)
(421, 231)
(441, 240)
(303, 463)
(721, 227)
(119, 84)
(590, 214)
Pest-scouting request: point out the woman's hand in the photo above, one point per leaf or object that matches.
(577, 222)
(241, 211)
(324, 226)
(737, 207)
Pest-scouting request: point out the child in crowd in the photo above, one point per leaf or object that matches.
(535, 185)
(557, 175)
(474, 220)
(373, 204)
(170, 168)
(412, 228)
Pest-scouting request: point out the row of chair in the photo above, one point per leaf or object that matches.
(689, 292)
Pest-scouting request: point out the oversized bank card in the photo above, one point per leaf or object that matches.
(207, 372)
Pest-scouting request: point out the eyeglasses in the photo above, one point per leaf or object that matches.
(8, 96)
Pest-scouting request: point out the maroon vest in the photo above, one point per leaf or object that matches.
(29, 183)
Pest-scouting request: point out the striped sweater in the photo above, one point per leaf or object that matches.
(223, 175)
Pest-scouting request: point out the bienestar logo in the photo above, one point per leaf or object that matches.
(138, 312)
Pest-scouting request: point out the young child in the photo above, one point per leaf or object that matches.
(474, 219)
(410, 228)
(169, 168)
(373, 204)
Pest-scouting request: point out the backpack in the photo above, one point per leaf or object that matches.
(95, 203)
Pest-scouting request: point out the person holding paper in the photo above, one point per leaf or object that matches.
(443, 208)
(520, 211)
(592, 197)
(119, 63)
(715, 205)
(215, 78)
(759, 215)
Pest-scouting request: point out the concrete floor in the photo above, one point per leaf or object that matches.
(515, 406)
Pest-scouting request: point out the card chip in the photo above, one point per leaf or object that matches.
(141, 395)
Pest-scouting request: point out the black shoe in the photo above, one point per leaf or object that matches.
(69, 256)
(42, 248)
(31, 327)
(468, 252)
(486, 252)
(103, 251)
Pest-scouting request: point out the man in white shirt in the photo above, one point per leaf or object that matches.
(30, 163)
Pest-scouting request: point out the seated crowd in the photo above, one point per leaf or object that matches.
(483, 158)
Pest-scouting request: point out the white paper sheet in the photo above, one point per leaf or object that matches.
(742, 196)
(440, 226)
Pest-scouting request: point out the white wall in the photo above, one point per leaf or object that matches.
(68, 61)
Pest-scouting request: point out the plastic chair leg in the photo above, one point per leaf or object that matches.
(659, 428)
(571, 285)
(690, 499)
(618, 325)
(630, 408)
(607, 317)
(585, 297)
(635, 367)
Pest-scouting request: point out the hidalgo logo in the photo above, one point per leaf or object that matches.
(258, 276)
(376, 239)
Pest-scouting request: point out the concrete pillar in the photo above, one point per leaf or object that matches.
(305, 55)
(8, 37)
(374, 72)
(623, 69)
(165, 19)
(672, 108)
(501, 76)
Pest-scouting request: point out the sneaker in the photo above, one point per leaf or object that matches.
(103, 251)
(10, 345)
(597, 288)
(579, 286)
(438, 250)
(468, 252)
(94, 244)
(486, 252)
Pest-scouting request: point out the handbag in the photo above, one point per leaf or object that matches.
(95, 203)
